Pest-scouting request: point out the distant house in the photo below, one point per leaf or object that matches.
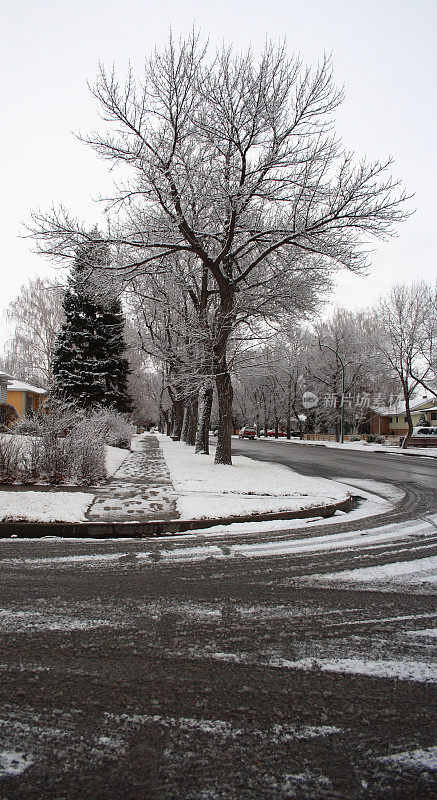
(4, 380)
(392, 420)
(25, 398)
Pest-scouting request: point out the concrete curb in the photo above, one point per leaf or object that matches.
(155, 528)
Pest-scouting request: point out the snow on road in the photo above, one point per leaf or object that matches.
(361, 446)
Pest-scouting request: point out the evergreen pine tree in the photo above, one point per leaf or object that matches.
(89, 364)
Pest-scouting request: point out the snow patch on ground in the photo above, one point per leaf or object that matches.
(431, 633)
(114, 457)
(215, 490)
(409, 670)
(44, 506)
(416, 759)
(36, 621)
(418, 571)
(13, 763)
(226, 730)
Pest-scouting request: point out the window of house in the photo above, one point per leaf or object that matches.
(391, 419)
(405, 419)
(433, 414)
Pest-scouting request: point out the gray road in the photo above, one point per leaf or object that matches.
(332, 462)
(238, 667)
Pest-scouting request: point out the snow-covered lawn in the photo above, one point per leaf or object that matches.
(44, 506)
(362, 446)
(208, 490)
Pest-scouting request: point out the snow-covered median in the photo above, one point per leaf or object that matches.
(208, 490)
(49, 506)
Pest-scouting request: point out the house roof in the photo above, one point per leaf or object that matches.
(399, 408)
(20, 386)
(4, 376)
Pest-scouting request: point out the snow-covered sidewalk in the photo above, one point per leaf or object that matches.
(208, 490)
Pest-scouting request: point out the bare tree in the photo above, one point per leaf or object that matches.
(424, 370)
(37, 315)
(233, 162)
(339, 342)
(398, 327)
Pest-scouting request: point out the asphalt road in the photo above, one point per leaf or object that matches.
(334, 462)
(238, 667)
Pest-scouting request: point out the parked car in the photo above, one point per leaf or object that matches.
(273, 433)
(422, 430)
(247, 432)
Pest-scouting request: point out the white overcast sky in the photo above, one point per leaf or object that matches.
(384, 53)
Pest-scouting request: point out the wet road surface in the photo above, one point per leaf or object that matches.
(293, 663)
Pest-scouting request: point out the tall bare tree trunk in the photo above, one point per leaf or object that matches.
(192, 424)
(225, 392)
(178, 418)
(185, 421)
(205, 405)
(407, 414)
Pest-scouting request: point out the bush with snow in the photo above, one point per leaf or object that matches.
(115, 426)
(86, 445)
(8, 415)
(9, 459)
(58, 445)
(62, 442)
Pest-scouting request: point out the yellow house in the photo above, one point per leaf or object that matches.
(25, 398)
(425, 409)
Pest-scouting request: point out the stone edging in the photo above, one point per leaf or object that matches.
(115, 530)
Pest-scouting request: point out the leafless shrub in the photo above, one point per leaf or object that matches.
(9, 459)
(86, 446)
(56, 458)
(62, 443)
(32, 460)
(115, 427)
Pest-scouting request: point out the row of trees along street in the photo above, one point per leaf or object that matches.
(387, 351)
(236, 203)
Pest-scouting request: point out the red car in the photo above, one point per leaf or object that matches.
(273, 433)
(247, 432)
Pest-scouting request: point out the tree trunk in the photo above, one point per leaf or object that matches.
(168, 425)
(205, 405)
(185, 421)
(264, 407)
(192, 425)
(225, 394)
(408, 415)
(288, 420)
(178, 418)
(223, 324)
